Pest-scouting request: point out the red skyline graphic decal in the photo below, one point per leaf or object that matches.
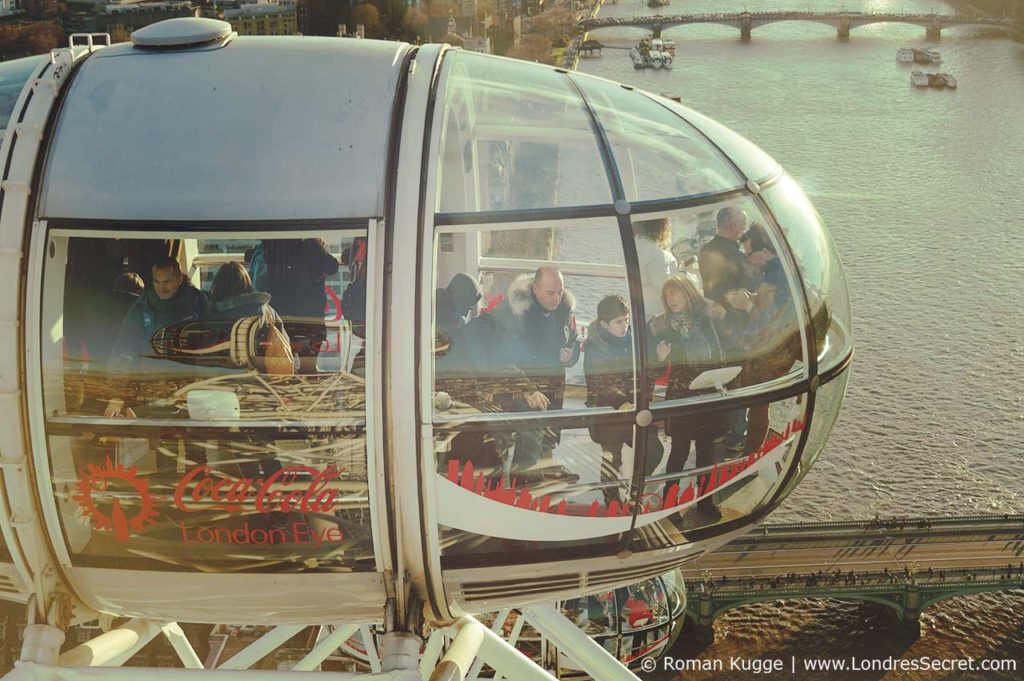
(517, 495)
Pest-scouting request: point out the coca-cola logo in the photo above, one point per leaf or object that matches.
(107, 493)
(100, 492)
(293, 489)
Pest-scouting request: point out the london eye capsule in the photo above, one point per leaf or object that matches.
(304, 330)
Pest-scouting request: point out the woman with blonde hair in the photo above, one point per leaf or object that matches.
(684, 341)
(657, 264)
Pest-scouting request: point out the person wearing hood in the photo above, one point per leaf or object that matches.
(531, 339)
(456, 357)
(169, 299)
(108, 309)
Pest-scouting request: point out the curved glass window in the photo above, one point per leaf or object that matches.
(751, 160)
(827, 402)
(517, 323)
(13, 76)
(632, 622)
(205, 399)
(723, 311)
(717, 466)
(820, 269)
(514, 136)
(504, 490)
(658, 154)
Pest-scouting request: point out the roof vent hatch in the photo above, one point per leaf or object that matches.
(183, 32)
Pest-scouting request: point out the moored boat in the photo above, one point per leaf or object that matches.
(926, 56)
(639, 60)
(949, 80)
(905, 55)
(919, 79)
(652, 53)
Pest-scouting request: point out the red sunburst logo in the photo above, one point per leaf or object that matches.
(112, 482)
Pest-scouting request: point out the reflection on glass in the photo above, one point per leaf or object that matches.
(572, 496)
(725, 305)
(13, 75)
(594, 614)
(137, 334)
(265, 501)
(512, 313)
(820, 268)
(631, 623)
(827, 402)
(751, 160)
(658, 154)
(180, 380)
(722, 483)
(514, 136)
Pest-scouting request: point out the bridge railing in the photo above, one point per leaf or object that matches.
(882, 524)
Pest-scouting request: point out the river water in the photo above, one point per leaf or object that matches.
(922, 191)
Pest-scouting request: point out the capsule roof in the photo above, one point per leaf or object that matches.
(251, 129)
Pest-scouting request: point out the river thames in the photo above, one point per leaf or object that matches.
(921, 190)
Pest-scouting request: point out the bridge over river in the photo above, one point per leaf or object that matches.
(843, 22)
(904, 564)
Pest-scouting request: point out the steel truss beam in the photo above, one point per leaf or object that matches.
(467, 645)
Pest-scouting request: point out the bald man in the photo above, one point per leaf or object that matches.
(532, 340)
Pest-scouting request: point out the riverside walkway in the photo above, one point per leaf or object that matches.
(843, 22)
(905, 564)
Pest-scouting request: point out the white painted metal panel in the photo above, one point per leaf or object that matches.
(262, 129)
(268, 599)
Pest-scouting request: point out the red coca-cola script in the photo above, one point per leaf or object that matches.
(298, 489)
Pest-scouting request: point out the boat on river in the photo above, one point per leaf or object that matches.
(653, 53)
(905, 55)
(919, 79)
(949, 80)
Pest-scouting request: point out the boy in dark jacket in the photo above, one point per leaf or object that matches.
(608, 367)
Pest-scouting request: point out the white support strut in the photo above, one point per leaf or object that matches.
(496, 627)
(114, 647)
(186, 653)
(503, 657)
(431, 653)
(325, 647)
(262, 647)
(587, 653)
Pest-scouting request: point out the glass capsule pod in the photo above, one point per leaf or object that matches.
(421, 320)
(631, 622)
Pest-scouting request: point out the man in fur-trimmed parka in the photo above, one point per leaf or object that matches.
(532, 339)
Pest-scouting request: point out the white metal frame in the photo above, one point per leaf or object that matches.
(467, 645)
(413, 521)
(22, 527)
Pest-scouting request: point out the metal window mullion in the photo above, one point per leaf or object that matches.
(632, 260)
